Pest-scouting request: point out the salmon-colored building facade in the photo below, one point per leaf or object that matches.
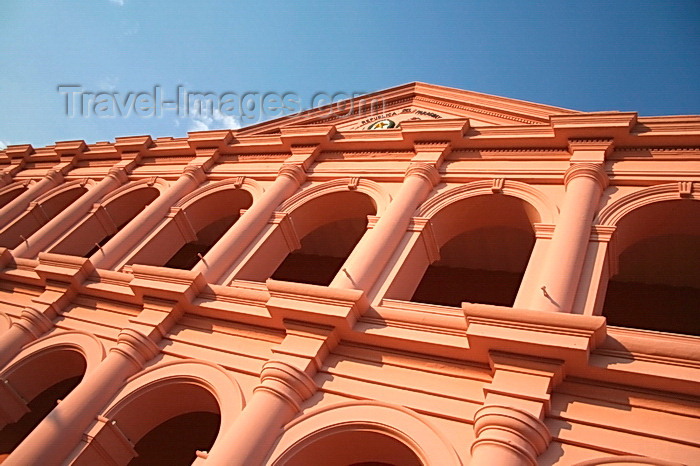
(448, 278)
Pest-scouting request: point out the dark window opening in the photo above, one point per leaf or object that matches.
(657, 286)
(13, 434)
(176, 441)
(11, 196)
(322, 253)
(481, 266)
(656, 281)
(451, 286)
(187, 256)
(359, 447)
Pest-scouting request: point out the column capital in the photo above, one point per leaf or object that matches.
(54, 175)
(594, 171)
(136, 347)
(34, 322)
(119, 174)
(513, 429)
(195, 172)
(295, 171)
(287, 382)
(424, 170)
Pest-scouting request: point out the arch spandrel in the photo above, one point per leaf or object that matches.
(160, 184)
(86, 184)
(426, 442)
(375, 191)
(613, 213)
(545, 210)
(249, 185)
(200, 374)
(84, 343)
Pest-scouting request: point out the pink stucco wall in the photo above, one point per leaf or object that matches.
(495, 283)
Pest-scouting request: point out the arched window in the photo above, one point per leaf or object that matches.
(192, 228)
(43, 210)
(655, 278)
(327, 229)
(168, 412)
(104, 222)
(11, 192)
(485, 244)
(41, 380)
(361, 447)
(362, 433)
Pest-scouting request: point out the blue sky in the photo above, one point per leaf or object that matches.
(591, 55)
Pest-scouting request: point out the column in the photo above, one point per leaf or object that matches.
(376, 247)
(507, 436)
(71, 215)
(58, 433)
(8, 213)
(274, 403)
(285, 383)
(134, 231)
(221, 256)
(585, 181)
(509, 427)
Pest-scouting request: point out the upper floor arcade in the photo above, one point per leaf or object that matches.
(462, 199)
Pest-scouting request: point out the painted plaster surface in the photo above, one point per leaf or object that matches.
(459, 279)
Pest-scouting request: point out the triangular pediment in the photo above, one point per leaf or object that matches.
(416, 101)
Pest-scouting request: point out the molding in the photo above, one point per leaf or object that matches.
(374, 190)
(294, 171)
(67, 186)
(559, 336)
(513, 429)
(172, 285)
(286, 382)
(425, 227)
(426, 441)
(424, 170)
(614, 212)
(242, 182)
(593, 171)
(286, 227)
(335, 307)
(179, 217)
(546, 209)
(71, 270)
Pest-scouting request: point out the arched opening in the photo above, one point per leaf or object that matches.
(191, 230)
(485, 244)
(11, 194)
(329, 227)
(104, 222)
(655, 282)
(43, 380)
(38, 215)
(176, 441)
(168, 423)
(360, 447)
